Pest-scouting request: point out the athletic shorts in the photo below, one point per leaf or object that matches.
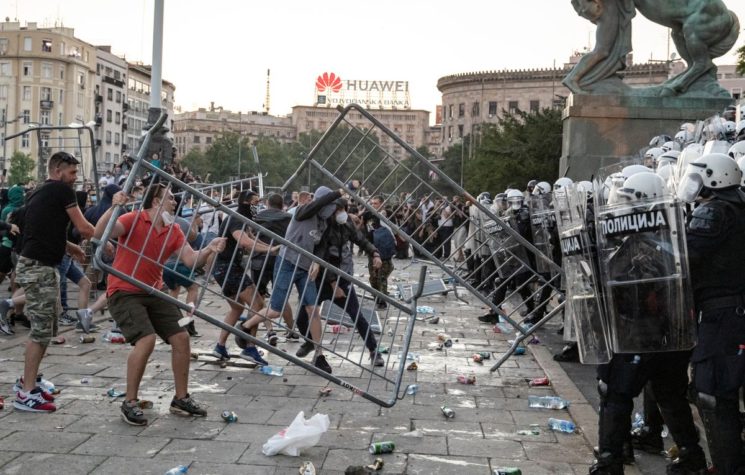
(140, 315)
(40, 283)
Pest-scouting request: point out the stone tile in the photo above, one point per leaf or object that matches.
(346, 439)
(172, 426)
(122, 445)
(99, 424)
(505, 448)
(259, 389)
(340, 459)
(145, 466)
(52, 463)
(65, 381)
(535, 467)
(253, 434)
(449, 427)
(537, 416)
(581, 453)
(204, 450)
(6, 457)
(408, 444)
(419, 464)
(211, 468)
(253, 456)
(29, 421)
(52, 442)
(398, 423)
(509, 432)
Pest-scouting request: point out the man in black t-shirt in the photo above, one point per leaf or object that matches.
(48, 211)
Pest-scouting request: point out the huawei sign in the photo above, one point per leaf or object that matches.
(328, 81)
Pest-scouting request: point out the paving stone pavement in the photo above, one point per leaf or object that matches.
(86, 435)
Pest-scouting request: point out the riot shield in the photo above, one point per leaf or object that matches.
(541, 225)
(642, 255)
(580, 266)
(509, 255)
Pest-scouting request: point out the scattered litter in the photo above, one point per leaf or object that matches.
(178, 470)
(115, 394)
(672, 452)
(502, 328)
(434, 320)
(84, 381)
(194, 356)
(507, 471)
(339, 329)
(425, 309)
(301, 434)
(412, 389)
(412, 367)
(145, 404)
(559, 425)
(445, 339)
(229, 416)
(60, 427)
(519, 351)
(534, 340)
(470, 379)
(382, 349)
(377, 448)
(413, 433)
(325, 391)
(284, 380)
(229, 378)
(409, 356)
(547, 402)
(272, 370)
(2, 403)
(114, 337)
(539, 382)
(307, 468)
(87, 338)
(534, 430)
(60, 340)
(447, 412)
(376, 465)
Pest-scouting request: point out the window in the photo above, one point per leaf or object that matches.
(108, 115)
(109, 94)
(46, 93)
(44, 117)
(736, 93)
(24, 141)
(513, 107)
(28, 69)
(450, 112)
(59, 118)
(116, 158)
(81, 79)
(61, 96)
(450, 132)
(46, 46)
(117, 75)
(26, 93)
(80, 99)
(535, 106)
(460, 130)
(4, 69)
(4, 92)
(475, 112)
(62, 48)
(108, 158)
(117, 138)
(492, 108)
(26, 116)
(196, 139)
(46, 70)
(108, 136)
(3, 46)
(118, 118)
(62, 72)
(27, 44)
(462, 109)
(208, 140)
(118, 96)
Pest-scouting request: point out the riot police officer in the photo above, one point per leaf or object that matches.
(716, 254)
(641, 308)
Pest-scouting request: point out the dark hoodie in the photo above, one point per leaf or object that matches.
(15, 201)
(94, 213)
(276, 221)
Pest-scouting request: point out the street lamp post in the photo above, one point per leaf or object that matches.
(5, 134)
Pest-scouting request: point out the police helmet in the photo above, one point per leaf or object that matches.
(562, 182)
(542, 188)
(737, 151)
(714, 172)
(642, 186)
(515, 199)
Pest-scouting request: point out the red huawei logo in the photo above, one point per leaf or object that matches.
(328, 81)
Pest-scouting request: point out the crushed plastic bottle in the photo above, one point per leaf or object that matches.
(463, 379)
(412, 389)
(114, 337)
(638, 422)
(559, 425)
(547, 402)
(273, 370)
(114, 393)
(502, 327)
(178, 470)
(409, 356)
(425, 309)
(339, 329)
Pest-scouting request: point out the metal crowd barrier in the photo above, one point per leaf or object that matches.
(345, 351)
(366, 150)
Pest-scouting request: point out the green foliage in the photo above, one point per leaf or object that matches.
(521, 147)
(21, 168)
(741, 60)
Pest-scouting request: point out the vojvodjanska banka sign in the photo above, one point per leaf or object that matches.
(331, 91)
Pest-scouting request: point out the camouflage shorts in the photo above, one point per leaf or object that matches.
(40, 283)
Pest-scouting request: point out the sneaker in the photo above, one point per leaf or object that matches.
(292, 336)
(192, 329)
(271, 338)
(187, 407)
(33, 401)
(305, 349)
(65, 320)
(4, 324)
(132, 414)
(491, 318)
(376, 359)
(85, 320)
(321, 363)
(46, 386)
(690, 461)
(648, 440)
(252, 354)
(220, 352)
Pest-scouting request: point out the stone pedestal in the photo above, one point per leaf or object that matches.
(598, 130)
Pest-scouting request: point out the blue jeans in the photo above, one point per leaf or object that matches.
(68, 270)
(286, 274)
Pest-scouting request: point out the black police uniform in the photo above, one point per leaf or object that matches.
(717, 259)
(519, 220)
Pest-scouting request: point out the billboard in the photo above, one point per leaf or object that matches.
(331, 90)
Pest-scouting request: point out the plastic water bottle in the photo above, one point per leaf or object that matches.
(412, 389)
(548, 402)
(178, 470)
(502, 327)
(561, 426)
(273, 370)
(638, 422)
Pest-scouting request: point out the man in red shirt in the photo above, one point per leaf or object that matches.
(147, 238)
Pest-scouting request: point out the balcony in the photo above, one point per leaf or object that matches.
(46, 104)
(125, 126)
(125, 107)
(115, 82)
(99, 98)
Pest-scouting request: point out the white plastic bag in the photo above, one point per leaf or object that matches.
(301, 434)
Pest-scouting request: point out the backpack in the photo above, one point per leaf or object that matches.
(384, 242)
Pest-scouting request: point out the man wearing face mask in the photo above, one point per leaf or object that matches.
(147, 237)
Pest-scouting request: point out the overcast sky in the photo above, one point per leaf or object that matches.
(219, 50)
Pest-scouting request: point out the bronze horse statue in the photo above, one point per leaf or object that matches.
(701, 29)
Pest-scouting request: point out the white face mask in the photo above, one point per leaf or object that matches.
(167, 218)
(342, 217)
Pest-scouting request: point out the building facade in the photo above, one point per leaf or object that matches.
(135, 113)
(198, 129)
(111, 107)
(47, 77)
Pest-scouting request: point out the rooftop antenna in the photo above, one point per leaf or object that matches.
(267, 97)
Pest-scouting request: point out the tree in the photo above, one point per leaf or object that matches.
(21, 168)
(741, 60)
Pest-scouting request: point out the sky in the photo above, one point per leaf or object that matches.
(220, 50)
